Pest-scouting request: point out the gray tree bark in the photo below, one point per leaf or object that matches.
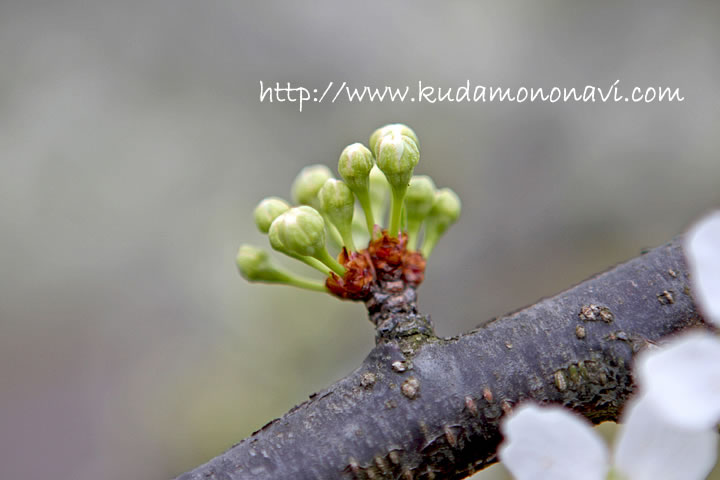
(423, 407)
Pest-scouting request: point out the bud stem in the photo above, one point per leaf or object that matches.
(307, 284)
(312, 262)
(335, 236)
(445, 211)
(431, 238)
(255, 265)
(379, 189)
(364, 199)
(398, 195)
(379, 211)
(328, 260)
(413, 233)
(347, 238)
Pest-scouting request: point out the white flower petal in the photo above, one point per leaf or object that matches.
(648, 448)
(552, 443)
(702, 248)
(682, 380)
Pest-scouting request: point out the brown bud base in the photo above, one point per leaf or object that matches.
(386, 263)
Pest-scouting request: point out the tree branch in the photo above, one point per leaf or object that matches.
(421, 407)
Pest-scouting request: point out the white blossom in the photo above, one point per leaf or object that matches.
(550, 442)
(649, 448)
(682, 380)
(702, 248)
(554, 443)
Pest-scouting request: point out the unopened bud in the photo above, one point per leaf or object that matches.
(308, 183)
(420, 197)
(255, 265)
(301, 231)
(397, 157)
(354, 166)
(446, 207)
(268, 210)
(419, 201)
(338, 203)
(445, 211)
(398, 128)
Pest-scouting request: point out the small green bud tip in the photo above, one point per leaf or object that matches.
(301, 231)
(336, 195)
(268, 210)
(420, 197)
(255, 265)
(338, 202)
(445, 211)
(355, 164)
(381, 132)
(446, 207)
(397, 157)
(274, 237)
(308, 183)
(419, 200)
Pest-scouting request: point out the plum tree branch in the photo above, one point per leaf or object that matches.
(423, 407)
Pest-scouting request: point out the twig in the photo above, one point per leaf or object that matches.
(422, 407)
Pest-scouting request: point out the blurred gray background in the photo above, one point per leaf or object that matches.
(133, 149)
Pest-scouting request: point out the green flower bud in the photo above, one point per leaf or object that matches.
(445, 211)
(308, 183)
(276, 244)
(275, 240)
(446, 207)
(255, 265)
(305, 190)
(419, 201)
(420, 197)
(397, 157)
(338, 203)
(268, 210)
(355, 164)
(301, 231)
(398, 128)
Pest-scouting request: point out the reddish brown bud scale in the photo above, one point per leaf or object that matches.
(385, 260)
(414, 268)
(359, 277)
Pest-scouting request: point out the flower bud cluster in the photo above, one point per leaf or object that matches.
(340, 214)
